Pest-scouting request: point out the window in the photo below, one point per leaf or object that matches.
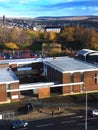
(7, 86)
(82, 76)
(96, 78)
(72, 78)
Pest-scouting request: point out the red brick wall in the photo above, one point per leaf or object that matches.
(77, 76)
(16, 93)
(66, 79)
(43, 92)
(3, 94)
(89, 81)
(66, 89)
(76, 88)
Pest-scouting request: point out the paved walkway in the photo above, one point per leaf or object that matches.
(43, 114)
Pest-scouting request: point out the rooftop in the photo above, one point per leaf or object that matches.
(85, 52)
(67, 64)
(7, 75)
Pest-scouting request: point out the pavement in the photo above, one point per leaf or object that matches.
(44, 113)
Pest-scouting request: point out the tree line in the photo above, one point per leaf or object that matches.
(73, 37)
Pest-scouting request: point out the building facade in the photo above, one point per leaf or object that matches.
(64, 75)
(72, 75)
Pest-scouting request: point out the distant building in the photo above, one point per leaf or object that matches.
(55, 29)
(87, 55)
(42, 28)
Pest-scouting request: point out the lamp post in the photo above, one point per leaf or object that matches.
(29, 110)
(86, 105)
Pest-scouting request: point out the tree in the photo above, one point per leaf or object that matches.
(68, 33)
(10, 45)
(52, 36)
(94, 39)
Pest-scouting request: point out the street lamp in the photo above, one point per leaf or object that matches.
(28, 110)
(86, 114)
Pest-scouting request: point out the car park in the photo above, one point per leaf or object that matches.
(95, 112)
(15, 124)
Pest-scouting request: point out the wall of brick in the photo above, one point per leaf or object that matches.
(77, 77)
(66, 78)
(66, 89)
(76, 88)
(3, 94)
(87, 77)
(90, 81)
(15, 96)
(43, 92)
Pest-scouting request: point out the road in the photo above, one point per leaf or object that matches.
(71, 122)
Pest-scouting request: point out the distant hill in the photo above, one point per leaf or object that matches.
(67, 18)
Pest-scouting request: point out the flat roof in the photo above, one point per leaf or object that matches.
(7, 75)
(67, 64)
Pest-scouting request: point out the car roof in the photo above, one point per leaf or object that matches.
(96, 110)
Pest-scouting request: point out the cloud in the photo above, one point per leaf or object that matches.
(48, 7)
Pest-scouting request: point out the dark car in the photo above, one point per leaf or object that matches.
(15, 124)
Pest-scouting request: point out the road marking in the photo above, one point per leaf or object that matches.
(44, 125)
(81, 124)
(65, 122)
(75, 117)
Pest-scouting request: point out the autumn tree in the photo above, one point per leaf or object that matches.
(52, 36)
(67, 33)
(10, 45)
(93, 39)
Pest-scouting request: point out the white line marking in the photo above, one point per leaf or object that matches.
(44, 125)
(67, 122)
(81, 124)
(75, 117)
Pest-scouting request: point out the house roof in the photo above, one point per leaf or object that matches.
(67, 64)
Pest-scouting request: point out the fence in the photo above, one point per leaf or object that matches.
(9, 115)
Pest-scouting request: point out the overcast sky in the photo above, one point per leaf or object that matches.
(36, 8)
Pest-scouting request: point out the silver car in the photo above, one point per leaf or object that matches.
(95, 112)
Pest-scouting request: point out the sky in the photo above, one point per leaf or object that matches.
(55, 8)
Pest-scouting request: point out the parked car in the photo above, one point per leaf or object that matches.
(15, 124)
(95, 112)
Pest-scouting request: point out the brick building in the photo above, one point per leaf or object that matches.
(65, 76)
(72, 75)
(8, 80)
